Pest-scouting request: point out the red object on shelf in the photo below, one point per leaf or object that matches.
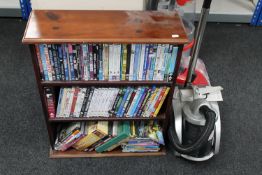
(182, 2)
(200, 79)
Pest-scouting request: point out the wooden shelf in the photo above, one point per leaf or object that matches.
(60, 119)
(105, 83)
(107, 26)
(116, 153)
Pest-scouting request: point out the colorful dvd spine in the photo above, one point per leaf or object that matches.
(50, 102)
(130, 102)
(132, 58)
(126, 102)
(147, 97)
(148, 62)
(100, 57)
(153, 63)
(141, 100)
(124, 62)
(89, 101)
(105, 61)
(84, 102)
(172, 63)
(75, 94)
(78, 61)
(128, 47)
(71, 61)
(59, 102)
(91, 65)
(65, 61)
(119, 101)
(75, 65)
(51, 58)
(115, 102)
(119, 112)
(61, 62)
(132, 106)
(136, 61)
(95, 62)
(39, 62)
(168, 62)
(48, 63)
(42, 53)
(85, 62)
(141, 62)
(141, 92)
(145, 65)
(56, 62)
(158, 107)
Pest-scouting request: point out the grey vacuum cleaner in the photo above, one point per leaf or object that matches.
(195, 127)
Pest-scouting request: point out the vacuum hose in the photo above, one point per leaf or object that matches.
(210, 117)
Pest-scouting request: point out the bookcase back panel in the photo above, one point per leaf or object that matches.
(59, 26)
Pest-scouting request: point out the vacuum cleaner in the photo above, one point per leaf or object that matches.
(195, 126)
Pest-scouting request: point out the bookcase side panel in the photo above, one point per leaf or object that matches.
(49, 126)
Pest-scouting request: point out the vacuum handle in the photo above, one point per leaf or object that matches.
(206, 4)
(210, 117)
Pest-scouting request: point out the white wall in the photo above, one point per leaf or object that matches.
(88, 4)
(9, 4)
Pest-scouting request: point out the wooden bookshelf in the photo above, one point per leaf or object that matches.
(60, 26)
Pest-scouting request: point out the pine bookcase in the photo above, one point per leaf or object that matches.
(138, 27)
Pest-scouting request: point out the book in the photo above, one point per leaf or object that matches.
(50, 100)
(94, 131)
(123, 133)
(68, 135)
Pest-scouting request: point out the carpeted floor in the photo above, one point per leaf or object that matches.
(232, 54)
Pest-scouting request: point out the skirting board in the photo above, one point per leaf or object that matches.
(10, 12)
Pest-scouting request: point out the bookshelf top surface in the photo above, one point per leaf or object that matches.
(64, 26)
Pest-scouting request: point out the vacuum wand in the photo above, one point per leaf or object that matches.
(198, 40)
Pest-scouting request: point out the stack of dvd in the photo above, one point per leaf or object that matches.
(113, 62)
(141, 145)
(106, 102)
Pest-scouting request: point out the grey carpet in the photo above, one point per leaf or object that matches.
(232, 54)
